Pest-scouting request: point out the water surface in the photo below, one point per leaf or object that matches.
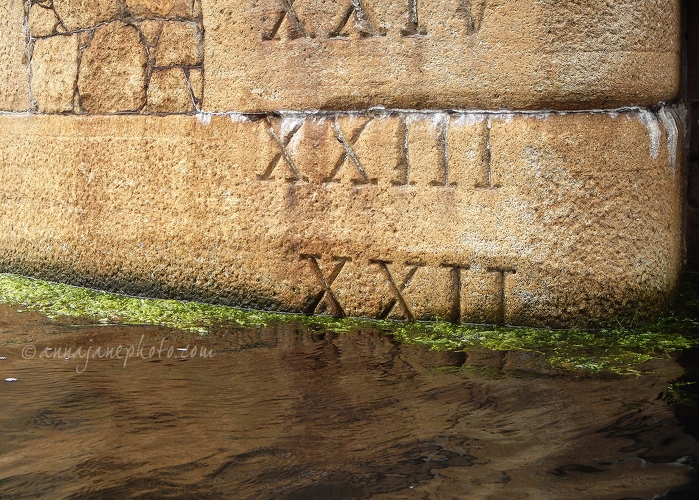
(285, 412)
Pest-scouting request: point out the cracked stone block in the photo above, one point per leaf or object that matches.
(269, 55)
(14, 84)
(54, 72)
(80, 14)
(168, 92)
(42, 21)
(180, 44)
(160, 8)
(151, 31)
(112, 76)
(196, 80)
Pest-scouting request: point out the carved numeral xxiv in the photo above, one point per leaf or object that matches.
(296, 27)
(365, 25)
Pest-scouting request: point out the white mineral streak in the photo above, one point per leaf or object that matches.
(670, 118)
(469, 119)
(651, 122)
(289, 123)
(238, 118)
(439, 120)
(204, 117)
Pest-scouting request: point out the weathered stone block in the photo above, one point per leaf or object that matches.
(151, 31)
(196, 81)
(112, 75)
(356, 54)
(168, 92)
(42, 21)
(180, 44)
(521, 219)
(14, 81)
(161, 8)
(55, 72)
(80, 14)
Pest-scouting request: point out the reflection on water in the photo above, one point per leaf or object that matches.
(287, 413)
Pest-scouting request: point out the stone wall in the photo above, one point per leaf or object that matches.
(476, 161)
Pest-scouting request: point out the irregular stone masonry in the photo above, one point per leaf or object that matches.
(375, 197)
(147, 56)
(106, 56)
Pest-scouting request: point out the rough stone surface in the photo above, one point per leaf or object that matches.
(522, 54)
(168, 92)
(112, 74)
(14, 84)
(54, 73)
(80, 14)
(161, 8)
(196, 81)
(42, 21)
(539, 220)
(151, 31)
(180, 44)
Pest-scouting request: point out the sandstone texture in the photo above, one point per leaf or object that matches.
(180, 44)
(43, 21)
(81, 14)
(560, 219)
(161, 8)
(446, 54)
(14, 83)
(54, 73)
(113, 71)
(169, 92)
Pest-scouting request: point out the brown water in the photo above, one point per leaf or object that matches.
(286, 413)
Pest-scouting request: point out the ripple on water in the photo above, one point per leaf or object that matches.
(284, 412)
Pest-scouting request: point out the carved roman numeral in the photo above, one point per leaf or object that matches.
(443, 144)
(455, 312)
(282, 140)
(403, 164)
(413, 28)
(474, 16)
(488, 181)
(501, 274)
(349, 155)
(296, 27)
(326, 291)
(397, 289)
(366, 27)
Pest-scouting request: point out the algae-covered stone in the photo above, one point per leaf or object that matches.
(112, 74)
(521, 219)
(527, 54)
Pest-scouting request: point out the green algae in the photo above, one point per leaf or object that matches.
(620, 350)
